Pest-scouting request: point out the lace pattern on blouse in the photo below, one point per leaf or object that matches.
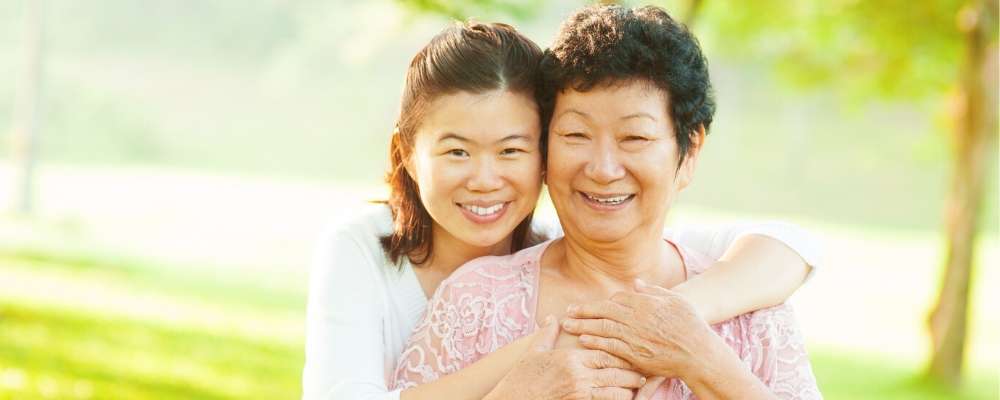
(491, 302)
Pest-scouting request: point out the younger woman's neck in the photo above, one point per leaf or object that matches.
(448, 252)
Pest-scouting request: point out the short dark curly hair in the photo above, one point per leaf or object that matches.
(609, 45)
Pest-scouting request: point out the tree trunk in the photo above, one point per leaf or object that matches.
(24, 135)
(976, 155)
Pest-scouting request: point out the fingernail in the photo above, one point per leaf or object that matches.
(585, 339)
(568, 324)
(572, 308)
(642, 381)
(640, 282)
(549, 320)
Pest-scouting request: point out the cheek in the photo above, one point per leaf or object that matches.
(436, 178)
(531, 170)
(562, 160)
(655, 170)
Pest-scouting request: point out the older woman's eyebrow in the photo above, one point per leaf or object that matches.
(639, 115)
(573, 111)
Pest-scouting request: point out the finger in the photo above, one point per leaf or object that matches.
(595, 327)
(545, 339)
(647, 390)
(617, 377)
(598, 359)
(599, 309)
(610, 393)
(611, 346)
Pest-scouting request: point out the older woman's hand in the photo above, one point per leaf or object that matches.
(657, 331)
(566, 374)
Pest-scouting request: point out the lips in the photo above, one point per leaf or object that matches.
(607, 201)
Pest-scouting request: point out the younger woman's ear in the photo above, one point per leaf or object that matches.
(685, 174)
(408, 166)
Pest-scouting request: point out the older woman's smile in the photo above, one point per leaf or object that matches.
(607, 202)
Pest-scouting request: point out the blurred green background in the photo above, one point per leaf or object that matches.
(190, 152)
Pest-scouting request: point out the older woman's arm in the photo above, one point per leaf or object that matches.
(759, 265)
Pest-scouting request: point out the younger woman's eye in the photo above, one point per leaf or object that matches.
(575, 135)
(457, 153)
(511, 151)
(635, 138)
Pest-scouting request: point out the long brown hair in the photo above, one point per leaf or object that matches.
(467, 57)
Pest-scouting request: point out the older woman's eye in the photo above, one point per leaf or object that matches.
(636, 138)
(574, 135)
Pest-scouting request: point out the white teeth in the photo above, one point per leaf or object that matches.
(484, 211)
(609, 200)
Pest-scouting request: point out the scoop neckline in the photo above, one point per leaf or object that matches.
(538, 273)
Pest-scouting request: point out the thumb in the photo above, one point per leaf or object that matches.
(642, 287)
(545, 338)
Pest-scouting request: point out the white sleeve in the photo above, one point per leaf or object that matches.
(344, 322)
(713, 242)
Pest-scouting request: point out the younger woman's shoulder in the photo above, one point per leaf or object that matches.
(371, 220)
(357, 234)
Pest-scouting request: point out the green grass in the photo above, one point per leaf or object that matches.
(858, 376)
(58, 346)
(51, 352)
(59, 350)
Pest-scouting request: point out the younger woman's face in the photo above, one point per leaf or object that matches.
(477, 163)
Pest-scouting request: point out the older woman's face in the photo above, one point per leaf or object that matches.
(612, 163)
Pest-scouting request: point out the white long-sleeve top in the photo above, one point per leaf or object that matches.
(362, 307)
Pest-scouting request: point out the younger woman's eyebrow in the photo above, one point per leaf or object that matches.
(449, 135)
(514, 137)
(454, 136)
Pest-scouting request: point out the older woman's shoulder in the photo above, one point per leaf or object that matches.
(695, 262)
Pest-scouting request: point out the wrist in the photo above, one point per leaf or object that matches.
(706, 360)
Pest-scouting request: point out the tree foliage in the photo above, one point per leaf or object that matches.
(871, 49)
(461, 10)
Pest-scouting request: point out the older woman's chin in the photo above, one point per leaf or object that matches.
(604, 233)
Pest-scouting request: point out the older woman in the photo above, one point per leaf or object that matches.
(631, 104)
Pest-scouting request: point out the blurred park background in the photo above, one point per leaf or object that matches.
(184, 155)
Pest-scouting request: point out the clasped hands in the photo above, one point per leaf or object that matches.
(652, 332)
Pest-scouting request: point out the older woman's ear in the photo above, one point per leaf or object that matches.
(685, 174)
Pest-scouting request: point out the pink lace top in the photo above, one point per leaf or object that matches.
(491, 301)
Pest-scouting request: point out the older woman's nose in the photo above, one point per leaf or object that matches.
(604, 167)
(485, 177)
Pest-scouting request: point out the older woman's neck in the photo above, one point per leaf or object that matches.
(618, 264)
